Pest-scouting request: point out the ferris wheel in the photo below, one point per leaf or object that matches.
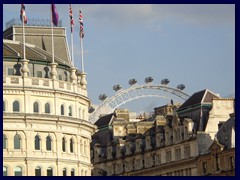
(137, 91)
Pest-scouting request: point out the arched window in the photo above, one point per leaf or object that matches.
(48, 143)
(5, 171)
(62, 109)
(71, 145)
(17, 141)
(64, 172)
(35, 107)
(49, 171)
(17, 171)
(38, 171)
(4, 141)
(70, 110)
(47, 108)
(85, 172)
(37, 142)
(63, 144)
(82, 172)
(16, 107)
(4, 108)
(72, 172)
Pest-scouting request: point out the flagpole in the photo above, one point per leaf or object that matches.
(52, 36)
(24, 50)
(72, 48)
(81, 42)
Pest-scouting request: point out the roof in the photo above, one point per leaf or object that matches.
(104, 120)
(40, 37)
(204, 96)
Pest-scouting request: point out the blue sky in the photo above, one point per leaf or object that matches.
(187, 43)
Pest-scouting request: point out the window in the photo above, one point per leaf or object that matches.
(70, 110)
(16, 106)
(232, 162)
(5, 171)
(17, 141)
(4, 108)
(49, 171)
(82, 172)
(10, 71)
(204, 167)
(39, 74)
(62, 109)
(37, 142)
(85, 172)
(64, 172)
(186, 132)
(17, 171)
(72, 172)
(187, 151)
(4, 141)
(217, 161)
(71, 145)
(60, 77)
(38, 171)
(48, 143)
(177, 154)
(63, 144)
(168, 156)
(35, 107)
(47, 108)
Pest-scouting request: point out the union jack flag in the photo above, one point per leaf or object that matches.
(81, 33)
(23, 15)
(71, 18)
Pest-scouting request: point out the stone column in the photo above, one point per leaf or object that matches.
(83, 80)
(73, 75)
(53, 70)
(25, 68)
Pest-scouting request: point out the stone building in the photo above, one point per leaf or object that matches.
(46, 131)
(220, 158)
(166, 144)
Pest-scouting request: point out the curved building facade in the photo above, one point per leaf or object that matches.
(46, 131)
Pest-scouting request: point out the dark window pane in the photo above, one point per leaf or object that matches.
(48, 143)
(16, 106)
(37, 142)
(17, 141)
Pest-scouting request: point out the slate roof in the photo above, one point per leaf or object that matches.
(40, 37)
(104, 120)
(204, 96)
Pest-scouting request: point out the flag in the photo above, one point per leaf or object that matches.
(81, 33)
(23, 15)
(71, 18)
(55, 16)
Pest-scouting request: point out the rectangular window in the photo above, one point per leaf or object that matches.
(60, 77)
(204, 167)
(187, 151)
(177, 154)
(232, 162)
(39, 74)
(10, 71)
(168, 156)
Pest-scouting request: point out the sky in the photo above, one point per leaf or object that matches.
(190, 44)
